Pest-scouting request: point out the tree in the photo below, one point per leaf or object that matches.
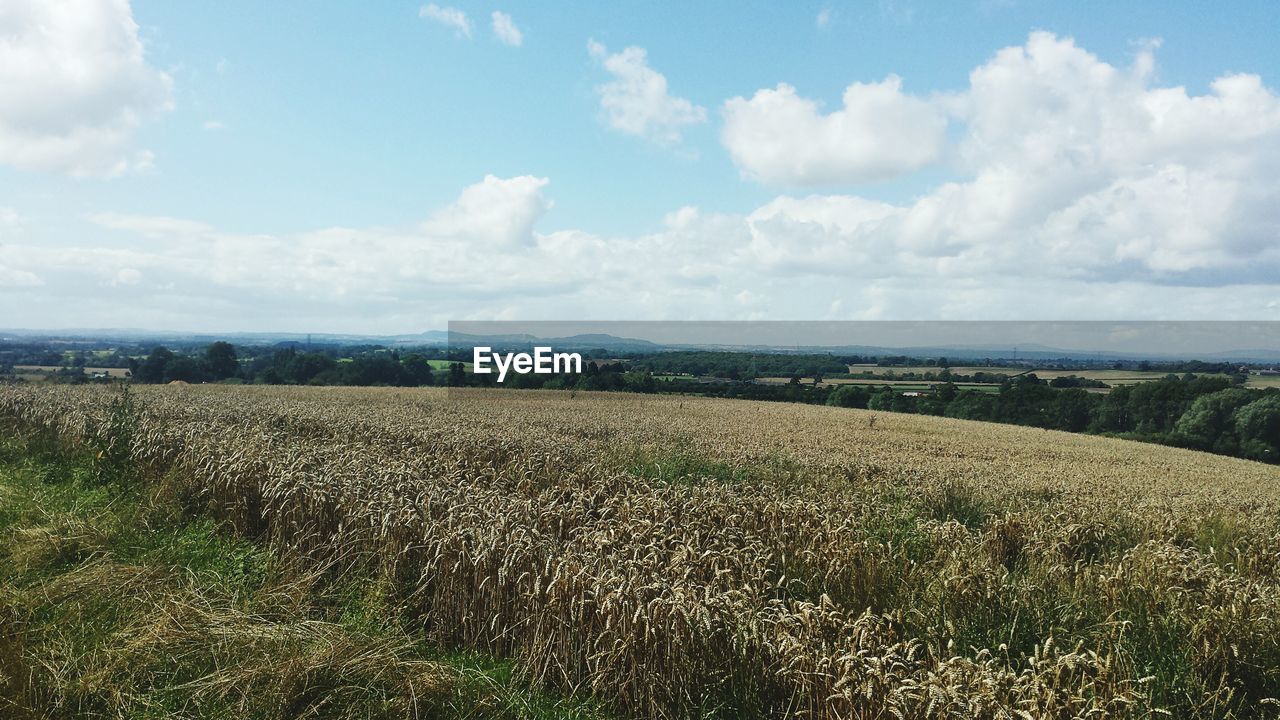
(1209, 420)
(458, 374)
(1073, 410)
(1027, 400)
(417, 370)
(183, 368)
(972, 405)
(304, 368)
(1113, 414)
(220, 360)
(850, 396)
(152, 370)
(882, 399)
(1257, 425)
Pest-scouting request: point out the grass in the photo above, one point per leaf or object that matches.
(114, 602)
(677, 557)
(681, 464)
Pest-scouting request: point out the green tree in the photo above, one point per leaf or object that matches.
(1257, 425)
(304, 368)
(458, 374)
(183, 368)
(152, 370)
(1208, 422)
(972, 405)
(1073, 409)
(417, 370)
(220, 360)
(850, 396)
(882, 399)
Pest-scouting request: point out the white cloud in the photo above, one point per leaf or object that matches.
(778, 137)
(504, 28)
(127, 276)
(213, 125)
(74, 85)
(824, 18)
(10, 278)
(150, 225)
(494, 211)
(1071, 169)
(449, 17)
(636, 100)
(1122, 200)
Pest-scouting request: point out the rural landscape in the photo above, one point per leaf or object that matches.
(513, 360)
(480, 552)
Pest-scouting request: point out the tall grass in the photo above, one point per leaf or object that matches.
(682, 557)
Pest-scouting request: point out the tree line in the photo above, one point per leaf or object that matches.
(1206, 413)
(1211, 413)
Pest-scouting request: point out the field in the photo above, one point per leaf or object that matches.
(444, 365)
(36, 370)
(903, 385)
(1111, 377)
(674, 556)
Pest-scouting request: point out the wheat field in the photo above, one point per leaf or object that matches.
(681, 557)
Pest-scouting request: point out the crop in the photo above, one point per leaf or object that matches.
(680, 556)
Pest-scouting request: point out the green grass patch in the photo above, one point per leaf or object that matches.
(683, 465)
(114, 603)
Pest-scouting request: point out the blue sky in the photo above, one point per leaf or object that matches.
(287, 120)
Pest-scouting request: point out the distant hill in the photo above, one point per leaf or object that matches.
(1030, 352)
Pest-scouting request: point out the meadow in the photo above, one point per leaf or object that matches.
(668, 556)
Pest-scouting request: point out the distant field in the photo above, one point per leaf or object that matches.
(41, 369)
(1111, 377)
(444, 364)
(955, 370)
(903, 385)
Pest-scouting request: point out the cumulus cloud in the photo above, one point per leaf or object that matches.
(74, 86)
(1082, 190)
(450, 17)
(636, 101)
(504, 28)
(778, 137)
(495, 211)
(1070, 167)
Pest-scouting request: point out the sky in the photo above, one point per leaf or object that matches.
(389, 167)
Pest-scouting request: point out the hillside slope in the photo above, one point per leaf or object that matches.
(685, 555)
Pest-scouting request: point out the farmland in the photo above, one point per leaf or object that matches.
(672, 556)
(903, 385)
(36, 371)
(1110, 377)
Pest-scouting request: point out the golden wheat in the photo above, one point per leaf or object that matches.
(672, 555)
